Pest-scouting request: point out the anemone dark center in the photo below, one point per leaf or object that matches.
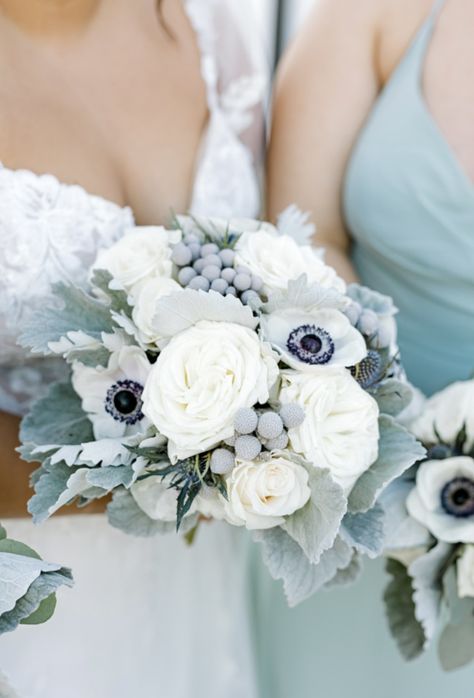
(311, 344)
(124, 401)
(457, 497)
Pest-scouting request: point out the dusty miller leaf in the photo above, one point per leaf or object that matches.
(118, 299)
(400, 610)
(181, 310)
(427, 581)
(315, 526)
(368, 298)
(347, 575)
(398, 450)
(287, 561)
(51, 483)
(392, 396)
(301, 294)
(125, 514)
(57, 418)
(78, 312)
(364, 531)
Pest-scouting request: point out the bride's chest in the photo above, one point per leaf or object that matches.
(127, 131)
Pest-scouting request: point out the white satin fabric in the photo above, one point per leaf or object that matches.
(147, 618)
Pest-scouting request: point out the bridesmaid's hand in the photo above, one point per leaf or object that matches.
(15, 473)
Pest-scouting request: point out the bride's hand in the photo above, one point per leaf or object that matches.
(15, 473)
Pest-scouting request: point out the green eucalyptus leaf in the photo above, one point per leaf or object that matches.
(461, 610)
(43, 613)
(42, 587)
(15, 547)
(456, 645)
(315, 526)
(398, 450)
(400, 610)
(3, 533)
(79, 311)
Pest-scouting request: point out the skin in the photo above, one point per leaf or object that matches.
(125, 123)
(326, 87)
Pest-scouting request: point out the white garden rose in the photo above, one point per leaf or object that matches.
(277, 259)
(340, 430)
(465, 571)
(145, 304)
(443, 499)
(447, 412)
(261, 493)
(112, 396)
(200, 380)
(142, 253)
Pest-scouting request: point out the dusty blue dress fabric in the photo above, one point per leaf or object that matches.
(410, 209)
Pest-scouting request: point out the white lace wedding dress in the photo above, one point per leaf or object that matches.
(148, 618)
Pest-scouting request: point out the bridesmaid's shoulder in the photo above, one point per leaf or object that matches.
(391, 21)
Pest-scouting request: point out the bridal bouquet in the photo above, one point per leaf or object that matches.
(222, 370)
(27, 585)
(431, 539)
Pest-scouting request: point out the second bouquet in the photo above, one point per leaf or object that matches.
(221, 370)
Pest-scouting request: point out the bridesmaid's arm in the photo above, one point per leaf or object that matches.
(14, 476)
(326, 85)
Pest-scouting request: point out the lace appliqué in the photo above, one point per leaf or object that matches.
(228, 166)
(49, 232)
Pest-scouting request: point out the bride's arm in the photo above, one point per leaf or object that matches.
(14, 475)
(326, 85)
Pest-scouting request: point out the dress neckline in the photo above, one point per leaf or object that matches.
(411, 68)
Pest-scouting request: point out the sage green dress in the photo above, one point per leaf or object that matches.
(410, 209)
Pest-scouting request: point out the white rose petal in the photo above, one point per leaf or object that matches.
(145, 304)
(277, 259)
(93, 384)
(424, 502)
(465, 570)
(142, 253)
(200, 380)
(447, 412)
(340, 430)
(262, 493)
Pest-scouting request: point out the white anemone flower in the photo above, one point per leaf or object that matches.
(307, 340)
(443, 499)
(112, 396)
